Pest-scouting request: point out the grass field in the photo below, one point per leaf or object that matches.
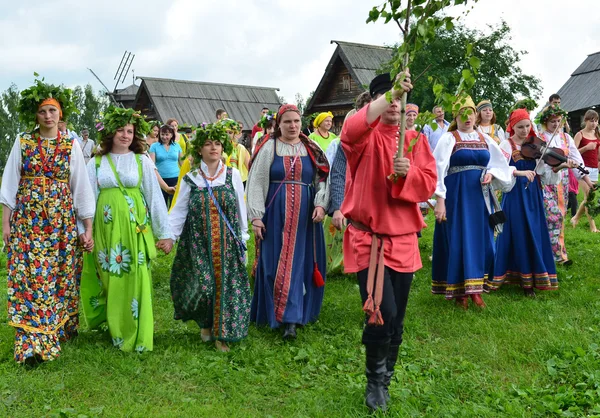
(517, 358)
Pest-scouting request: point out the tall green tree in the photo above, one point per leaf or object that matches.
(500, 78)
(90, 106)
(10, 126)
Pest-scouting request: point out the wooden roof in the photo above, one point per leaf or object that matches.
(362, 61)
(193, 102)
(582, 90)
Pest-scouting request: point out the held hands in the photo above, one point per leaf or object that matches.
(440, 210)
(405, 84)
(318, 214)
(165, 245)
(258, 227)
(338, 220)
(86, 241)
(401, 166)
(526, 173)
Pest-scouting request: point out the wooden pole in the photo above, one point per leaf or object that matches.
(402, 130)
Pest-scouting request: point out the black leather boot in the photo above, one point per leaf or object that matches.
(290, 332)
(389, 373)
(376, 369)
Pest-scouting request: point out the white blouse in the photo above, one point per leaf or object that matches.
(81, 190)
(502, 173)
(574, 154)
(179, 213)
(127, 168)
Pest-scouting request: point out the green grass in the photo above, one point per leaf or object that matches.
(518, 358)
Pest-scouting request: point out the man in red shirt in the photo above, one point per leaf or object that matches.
(257, 128)
(381, 244)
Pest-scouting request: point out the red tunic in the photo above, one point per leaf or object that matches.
(386, 208)
(590, 158)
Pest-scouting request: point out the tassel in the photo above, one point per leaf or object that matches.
(368, 306)
(318, 277)
(376, 318)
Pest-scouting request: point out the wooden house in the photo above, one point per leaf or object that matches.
(582, 91)
(194, 102)
(348, 74)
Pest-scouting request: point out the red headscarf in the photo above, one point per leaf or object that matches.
(515, 117)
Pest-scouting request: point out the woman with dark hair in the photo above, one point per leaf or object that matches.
(116, 286)
(152, 136)
(46, 206)
(180, 138)
(267, 125)
(587, 142)
(287, 200)
(167, 155)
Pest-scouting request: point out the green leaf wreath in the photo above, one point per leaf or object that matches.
(593, 203)
(204, 132)
(115, 118)
(31, 98)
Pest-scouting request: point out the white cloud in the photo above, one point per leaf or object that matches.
(257, 42)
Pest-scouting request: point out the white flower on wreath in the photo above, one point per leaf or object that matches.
(103, 259)
(141, 258)
(120, 259)
(107, 212)
(131, 205)
(135, 309)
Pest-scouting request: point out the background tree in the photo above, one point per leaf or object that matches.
(90, 106)
(10, 126)
(499, 77)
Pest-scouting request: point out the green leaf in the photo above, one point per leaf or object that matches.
(475, 62)
(469, 49)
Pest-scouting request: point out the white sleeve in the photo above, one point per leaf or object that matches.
(259, 178)
(506, 149)
(84, 202)
(442, 154)
(504, 179)
(238, 186)
(179, 212)
(155, 200)
(12, 176)
(575, 155)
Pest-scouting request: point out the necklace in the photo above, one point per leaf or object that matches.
(216, 176)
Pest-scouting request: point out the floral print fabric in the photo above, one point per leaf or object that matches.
(116, 285)
(44, 259)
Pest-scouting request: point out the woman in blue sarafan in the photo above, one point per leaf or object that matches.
(523, 251)
(468, 163)
(287, 196)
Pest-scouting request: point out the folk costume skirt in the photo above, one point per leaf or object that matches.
(116, 285)
(463, 246)
(284, 291)
(523, 250)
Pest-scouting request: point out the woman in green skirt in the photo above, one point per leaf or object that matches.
(209, 281)
(116, 286)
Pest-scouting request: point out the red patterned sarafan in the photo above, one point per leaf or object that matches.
(293, 193)
(44, 258)
(215, 237)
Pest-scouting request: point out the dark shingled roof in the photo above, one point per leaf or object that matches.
(128, 93)
(361, 60)
(582, 90)
(193, 102)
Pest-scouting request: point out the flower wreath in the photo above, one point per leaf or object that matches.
(265, 119)
(230, 124)
(549, 112)
(528, 104)
(593, 203)
(115, 118)
(31, 98)
(204, 132)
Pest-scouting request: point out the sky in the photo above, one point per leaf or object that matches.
(283, 44)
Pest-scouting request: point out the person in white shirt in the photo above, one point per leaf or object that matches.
(87, 145)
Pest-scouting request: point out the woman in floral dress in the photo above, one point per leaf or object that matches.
(209, 282)
(44, 194)
(116, 287)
